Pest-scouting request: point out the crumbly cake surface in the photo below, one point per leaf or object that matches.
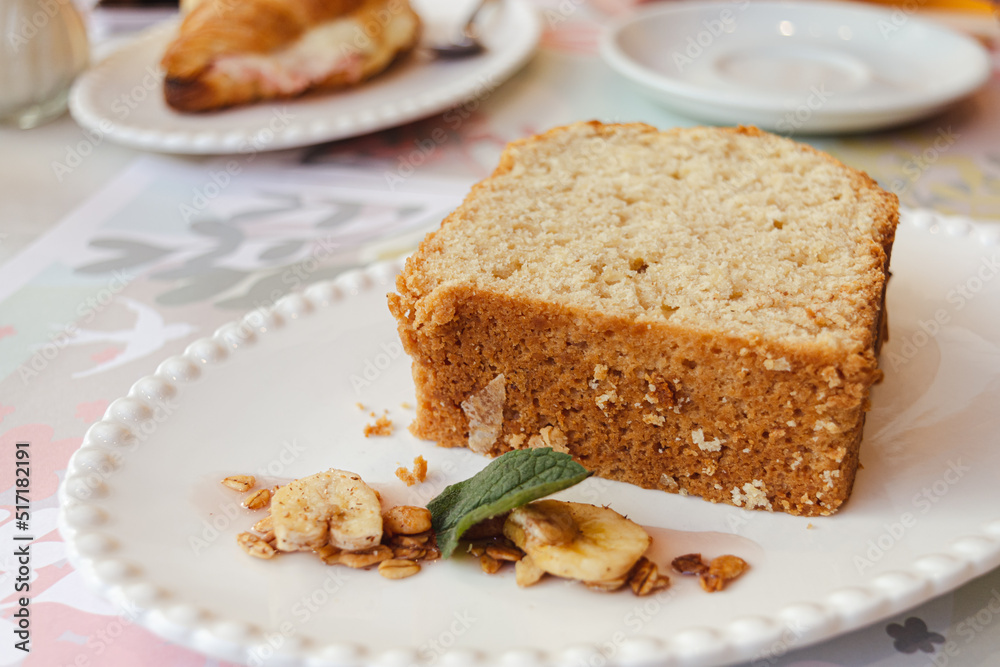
(697, 311)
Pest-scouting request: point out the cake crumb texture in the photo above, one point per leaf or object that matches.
(382, 426)
(697, 310)
(418, 475)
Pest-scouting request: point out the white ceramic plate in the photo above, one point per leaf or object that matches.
(148, 524)
(816, 67)
(122, 99)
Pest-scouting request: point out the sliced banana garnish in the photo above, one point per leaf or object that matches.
(334, 508)
(526, 573)
(577, 541)
(543, 526)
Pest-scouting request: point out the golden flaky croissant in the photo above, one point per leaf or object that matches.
(231, 52)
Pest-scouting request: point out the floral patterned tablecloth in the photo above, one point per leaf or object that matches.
(170, 248)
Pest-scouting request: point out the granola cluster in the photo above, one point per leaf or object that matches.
(544, 537)
(406, 540)
(715, 575)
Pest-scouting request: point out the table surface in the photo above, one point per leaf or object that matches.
(103, 274)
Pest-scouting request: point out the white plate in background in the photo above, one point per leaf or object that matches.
(811, 67)
(121, 98)
(148, 525)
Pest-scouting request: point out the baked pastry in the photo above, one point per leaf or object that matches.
(697, 311)
(231, 52)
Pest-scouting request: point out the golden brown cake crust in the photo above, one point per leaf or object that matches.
(762, 423)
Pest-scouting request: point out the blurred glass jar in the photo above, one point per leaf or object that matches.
(44, 48)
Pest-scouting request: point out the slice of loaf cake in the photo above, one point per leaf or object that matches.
(697, 311)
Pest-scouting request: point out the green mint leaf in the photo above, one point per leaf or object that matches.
(509, 481)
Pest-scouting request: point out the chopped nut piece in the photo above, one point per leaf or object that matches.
(489, 564)
(366, 558)
(411, 553)
(265, 525)
(645, 578)
(526, 573)
(419, 540)
(689, 564)
(398, 568)
(433, 553)
(418, 475)
(382, 426)
(258, 500)
(406, 520)
(504, 552)
(698, 438)
(255, 546)
(499, 548)
(550, 436)
(712, 583)
(515, 440)
(492, 527)
(241, 483)
(484, 410)
(721, 571)
(609, 586)
(269, 537)
(329, 555)
(644, 569)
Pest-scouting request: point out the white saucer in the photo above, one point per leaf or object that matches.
(122, 99)
(817, 67)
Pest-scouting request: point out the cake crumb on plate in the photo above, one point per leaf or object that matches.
(418, 474)
(382, 426)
